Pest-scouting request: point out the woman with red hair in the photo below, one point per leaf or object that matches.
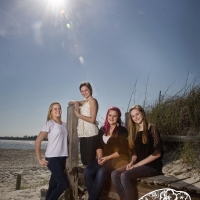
(112, 153)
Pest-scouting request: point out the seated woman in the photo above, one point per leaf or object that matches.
(112, 152)
(144, 141)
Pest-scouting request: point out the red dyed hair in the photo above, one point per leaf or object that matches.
(106, 126)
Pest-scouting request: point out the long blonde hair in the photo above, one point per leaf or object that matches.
(50, 109)
(133, 127)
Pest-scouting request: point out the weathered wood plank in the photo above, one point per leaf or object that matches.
(179, 185)
(193, 188)
(178, 138)
(159, 180)
(72, 160)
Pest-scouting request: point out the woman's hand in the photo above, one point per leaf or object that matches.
(99, 161)
(71, 102)
(129, 166)
(136, 165)
(43, 162)
(102, 160)
(76, 108)
(145, 161)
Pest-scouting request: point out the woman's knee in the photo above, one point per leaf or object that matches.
(102, 174)
(114, 175)
(125, 176)
(102, 171)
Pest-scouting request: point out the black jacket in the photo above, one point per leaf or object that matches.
(115, 144)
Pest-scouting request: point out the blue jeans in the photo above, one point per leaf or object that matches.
(58, 182)
(125, 180)
(95, 176)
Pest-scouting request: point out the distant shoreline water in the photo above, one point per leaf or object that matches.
(20, 144)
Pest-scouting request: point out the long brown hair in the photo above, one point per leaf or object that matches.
(50, 109)
(133, 127)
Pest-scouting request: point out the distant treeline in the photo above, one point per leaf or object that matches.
(19, 138)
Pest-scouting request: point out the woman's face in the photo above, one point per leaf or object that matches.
(56, 111)
(112, 117)
(85, 91)
(136, 116)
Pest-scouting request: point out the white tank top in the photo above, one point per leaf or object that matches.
(86, 129)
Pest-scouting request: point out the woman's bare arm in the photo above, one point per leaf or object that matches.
(38, 142)
(105, 158)
(133, 159)
(93, 112)
(147, 160)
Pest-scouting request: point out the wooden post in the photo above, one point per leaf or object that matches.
(72, 160)
(18, 182)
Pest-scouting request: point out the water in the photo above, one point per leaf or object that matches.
(20, 144)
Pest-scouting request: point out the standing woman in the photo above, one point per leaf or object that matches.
(56, 152)
(112, 152)
(86, 111)
(144, 141)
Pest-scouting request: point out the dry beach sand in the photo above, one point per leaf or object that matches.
(33, 176)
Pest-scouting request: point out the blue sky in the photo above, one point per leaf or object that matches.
(48, 47)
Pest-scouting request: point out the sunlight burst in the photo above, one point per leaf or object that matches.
(56, 3)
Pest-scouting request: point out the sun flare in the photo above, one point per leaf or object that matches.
(56, 4)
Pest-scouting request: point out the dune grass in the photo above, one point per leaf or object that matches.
(179, 115)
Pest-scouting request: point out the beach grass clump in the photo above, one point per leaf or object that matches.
(190, 154)
(178, 114)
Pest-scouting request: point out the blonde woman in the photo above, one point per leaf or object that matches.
(56, 152)
(145, 144)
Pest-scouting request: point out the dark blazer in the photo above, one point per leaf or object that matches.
(115, 144)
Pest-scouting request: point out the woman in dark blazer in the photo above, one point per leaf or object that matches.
(112, 153)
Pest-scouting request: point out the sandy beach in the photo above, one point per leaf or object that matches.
(33, 176)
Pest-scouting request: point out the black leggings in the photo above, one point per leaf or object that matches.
(88, 149)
